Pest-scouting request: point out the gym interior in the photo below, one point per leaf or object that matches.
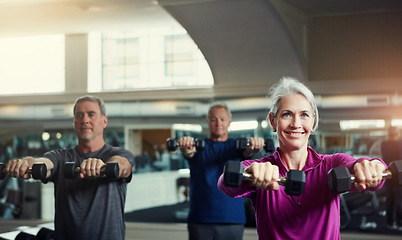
(158, 65)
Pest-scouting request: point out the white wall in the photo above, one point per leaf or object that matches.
(146, 190)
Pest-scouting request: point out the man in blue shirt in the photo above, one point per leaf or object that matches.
(213, 215)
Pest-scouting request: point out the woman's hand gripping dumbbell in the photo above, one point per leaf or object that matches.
(92, 168)
(340, 180)
(234, 176)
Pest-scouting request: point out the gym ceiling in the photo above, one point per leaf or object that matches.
(348, 52)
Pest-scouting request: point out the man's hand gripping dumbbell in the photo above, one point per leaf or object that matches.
(92, 168)
(340, 180)
(264, 176)
(251, 146)
(173, 143)
(188, 145)
(242, 144)
(19, 168)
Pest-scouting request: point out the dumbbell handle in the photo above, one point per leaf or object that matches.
(4, 171)
(385, 175)
(193, 144)
(243, 144)
(280, 180)
(248, 144)
(110, 170)
(77, 170)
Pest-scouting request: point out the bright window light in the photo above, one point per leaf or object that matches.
(396, 122)
(187, 127)
(361, 124)
(144, 60)
(243, 125)
(264, 124)
(58, 135)
(45, 136)
(32, 65)
(378, 133)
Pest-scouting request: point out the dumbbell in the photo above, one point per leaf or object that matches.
(234, 175)
(172, 144)
(243, 143)
(43, 234)
(340, 180)
(110, 170)
(38, 171)
(25, 236)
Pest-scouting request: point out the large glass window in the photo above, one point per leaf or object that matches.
(149, 59)
(32, 65)
(179, 56)
(120, 61)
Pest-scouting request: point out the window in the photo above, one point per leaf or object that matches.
(179, 56)
(32, 65)
(120, 61)
(142, 60)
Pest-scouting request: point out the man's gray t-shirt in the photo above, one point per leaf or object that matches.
(88, 208)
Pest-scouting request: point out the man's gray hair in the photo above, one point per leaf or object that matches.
(218, 105)
(92, 99)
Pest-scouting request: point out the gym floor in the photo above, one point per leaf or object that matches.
(168, 222)
(158, 231)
